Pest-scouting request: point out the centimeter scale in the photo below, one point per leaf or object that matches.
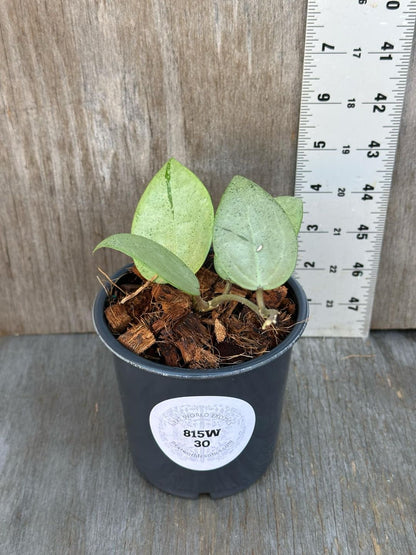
(356, 62)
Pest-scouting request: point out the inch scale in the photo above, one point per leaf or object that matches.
(357, 56)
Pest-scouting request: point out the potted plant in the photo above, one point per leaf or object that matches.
(196, 421)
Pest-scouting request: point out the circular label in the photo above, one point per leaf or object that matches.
(202, 433)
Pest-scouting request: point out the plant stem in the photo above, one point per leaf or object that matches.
(229, 297)
(227, 287)
(269, 315)
(260, 303)
(204, 306)
(199, 304)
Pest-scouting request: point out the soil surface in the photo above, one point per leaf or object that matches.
(159, 323)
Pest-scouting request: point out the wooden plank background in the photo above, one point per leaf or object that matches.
(96, 95)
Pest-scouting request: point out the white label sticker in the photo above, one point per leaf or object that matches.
(202, 433)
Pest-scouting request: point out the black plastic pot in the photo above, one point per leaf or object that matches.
(210, 431)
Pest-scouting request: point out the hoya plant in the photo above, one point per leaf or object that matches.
(254, 237)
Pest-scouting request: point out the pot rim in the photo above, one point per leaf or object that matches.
(133, 359)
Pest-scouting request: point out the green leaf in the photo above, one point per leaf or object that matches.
(255, 244)
(157, 258)
(176, 211)
(293, 207)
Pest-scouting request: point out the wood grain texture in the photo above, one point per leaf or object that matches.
(395, 299)
(342, 479)
(96, 95)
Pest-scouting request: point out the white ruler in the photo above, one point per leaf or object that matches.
(356, 61)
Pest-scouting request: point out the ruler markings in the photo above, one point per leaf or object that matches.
(355, 68)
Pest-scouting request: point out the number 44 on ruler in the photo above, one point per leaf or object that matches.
(355, 68)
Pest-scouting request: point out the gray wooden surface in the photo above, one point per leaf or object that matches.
(342, 479)
(95, 96)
